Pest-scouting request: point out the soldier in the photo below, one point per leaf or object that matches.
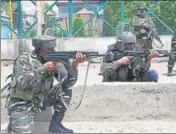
(118, 70)
(32, 89)
(144, 29)
(172, 58)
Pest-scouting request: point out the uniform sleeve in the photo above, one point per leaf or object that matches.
(67, 74)
(116, 64)
(154, 31)
(27, 78)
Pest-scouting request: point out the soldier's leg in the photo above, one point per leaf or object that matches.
(53, 98)
(21, 117)
(171, 63)
(139, 44)
(148, 44)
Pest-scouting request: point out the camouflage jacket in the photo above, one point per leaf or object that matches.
(145, 27)
(29, 76)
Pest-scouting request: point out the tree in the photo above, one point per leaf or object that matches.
(6, 6)
(112, 15)
(78, 22)
(165, 10)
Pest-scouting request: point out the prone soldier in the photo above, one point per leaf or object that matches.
(32, 89)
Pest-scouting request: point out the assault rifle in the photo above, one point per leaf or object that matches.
(137, 64)
(132, 53)
(66, 57)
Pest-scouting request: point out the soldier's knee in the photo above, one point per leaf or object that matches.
(151, 75)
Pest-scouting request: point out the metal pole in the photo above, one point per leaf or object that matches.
(70, 17)
(39, 18)
(20, 20)
(122, 15)
(11, 18)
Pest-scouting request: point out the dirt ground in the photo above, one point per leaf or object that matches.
(101, 124)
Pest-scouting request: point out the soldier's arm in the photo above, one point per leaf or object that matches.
(27, 77)
(66, 73)
(116, 64)
(154, 31)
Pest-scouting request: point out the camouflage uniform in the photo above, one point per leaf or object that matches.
(144, 30)
(172, 58)
(32, 90)
(112, 71)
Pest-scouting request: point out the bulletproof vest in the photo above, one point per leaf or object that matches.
(28, 94)
(141, 22)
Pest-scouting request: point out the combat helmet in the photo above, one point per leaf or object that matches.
(44, 41)
(128, 40)
(141, 11)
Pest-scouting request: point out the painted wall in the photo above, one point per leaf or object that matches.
(10, 48)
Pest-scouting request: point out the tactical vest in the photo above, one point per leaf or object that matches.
(40, 88)
(141, 31)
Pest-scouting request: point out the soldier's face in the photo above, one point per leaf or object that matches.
(141, 12)
(45, 51)
(129, 46)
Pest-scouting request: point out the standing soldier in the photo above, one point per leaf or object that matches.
(144, 29)
(32, 89)
(172, 58)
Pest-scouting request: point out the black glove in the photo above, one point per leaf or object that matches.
(109, 57)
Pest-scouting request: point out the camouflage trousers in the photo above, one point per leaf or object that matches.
(171, 63)
(21, 113)
(143, 44)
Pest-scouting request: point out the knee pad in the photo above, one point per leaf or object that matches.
(151, 75)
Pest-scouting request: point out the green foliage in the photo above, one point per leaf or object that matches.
(31, 33)
(50, 21)
(78, 22)
(165, 10)
(6, 7)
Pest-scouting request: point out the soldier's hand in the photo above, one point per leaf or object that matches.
(124, 61)
(153, 54)
(50, 66)
(79, 59)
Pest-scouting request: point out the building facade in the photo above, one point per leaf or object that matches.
(77, 6)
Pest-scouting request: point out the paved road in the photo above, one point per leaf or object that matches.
(93, 78)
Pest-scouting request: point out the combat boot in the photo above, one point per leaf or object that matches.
(169, 71)
(56, 126)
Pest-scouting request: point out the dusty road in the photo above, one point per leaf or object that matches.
(165, 123)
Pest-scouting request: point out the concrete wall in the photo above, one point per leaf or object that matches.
(10, 48)
(124, 102)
